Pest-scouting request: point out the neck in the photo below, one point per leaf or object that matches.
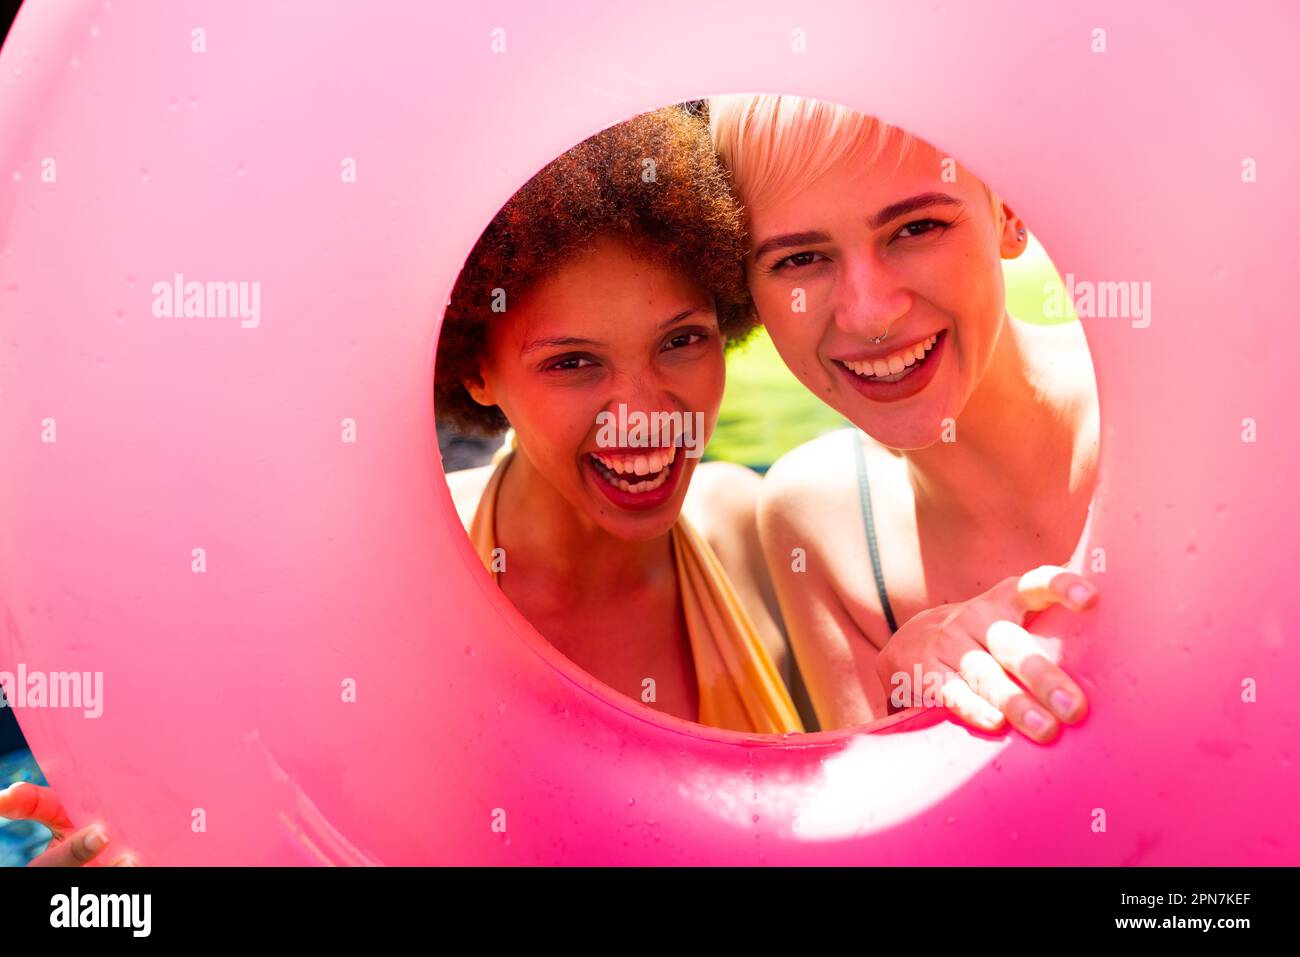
(1014, 442)
(542, 532)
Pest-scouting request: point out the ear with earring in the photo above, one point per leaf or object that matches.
(1020, 234)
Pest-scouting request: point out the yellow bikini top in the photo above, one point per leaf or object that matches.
(739, 686)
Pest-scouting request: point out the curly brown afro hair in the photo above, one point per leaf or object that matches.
(684, 215)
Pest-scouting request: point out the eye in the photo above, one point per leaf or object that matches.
(568, 363)
(796, 261)
(680, 340)
(920, 227)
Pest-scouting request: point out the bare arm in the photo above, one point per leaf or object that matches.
(834, 655)
(722, 504)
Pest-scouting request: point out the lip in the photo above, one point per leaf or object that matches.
(904, 388)
(638, 501)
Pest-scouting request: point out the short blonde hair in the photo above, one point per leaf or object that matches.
(772, 144)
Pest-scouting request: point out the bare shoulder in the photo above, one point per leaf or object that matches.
(815, 462)
(1065, 357)
(466, 489)
(801, 488)
(1067, 371)
(722, 505)
(722, 501)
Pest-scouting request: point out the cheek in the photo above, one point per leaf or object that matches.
(703, 385)
(555, 434)
(976, 342)
(982, 309)
(776, 311)
(564, 416)
(698, 386)
(550, 418)
(965, 285)
(771, 299)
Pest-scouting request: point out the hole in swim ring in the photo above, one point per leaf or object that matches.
(700, 360)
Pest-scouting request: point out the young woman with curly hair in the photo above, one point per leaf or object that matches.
(613, 281)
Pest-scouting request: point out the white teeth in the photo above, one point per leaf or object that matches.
(894, 364)
(653, 462)
(640, 487)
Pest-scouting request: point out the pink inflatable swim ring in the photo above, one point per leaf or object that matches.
(240, 521)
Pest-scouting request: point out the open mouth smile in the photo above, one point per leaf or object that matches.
(895, 366)
(896, 375)
(636, 479)
(643, 472)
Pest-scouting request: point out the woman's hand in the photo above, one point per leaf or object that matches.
(69, 847)
(969, 652)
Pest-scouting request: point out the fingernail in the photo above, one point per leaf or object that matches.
(1062, 702)
(1079, 593)
(1036, 720)
(96, 839)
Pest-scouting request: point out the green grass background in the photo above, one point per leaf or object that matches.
(766, 412)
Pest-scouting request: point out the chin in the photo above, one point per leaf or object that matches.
(907, 430)
(912, 425)
(637, 529)
(904, 439)
(645, 507)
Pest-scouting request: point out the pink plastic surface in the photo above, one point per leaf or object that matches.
(328, 560)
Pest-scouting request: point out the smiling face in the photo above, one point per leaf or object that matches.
(886, 250)
(609, 327)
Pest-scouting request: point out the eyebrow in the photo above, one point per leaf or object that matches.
(552, 342)
(809, 237)
(790, 240)
(909, 205)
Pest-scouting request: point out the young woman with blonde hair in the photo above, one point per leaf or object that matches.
(875, 264)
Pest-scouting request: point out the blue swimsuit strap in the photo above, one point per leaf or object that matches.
(864, 493)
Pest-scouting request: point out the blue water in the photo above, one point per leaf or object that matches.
(20, 841)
